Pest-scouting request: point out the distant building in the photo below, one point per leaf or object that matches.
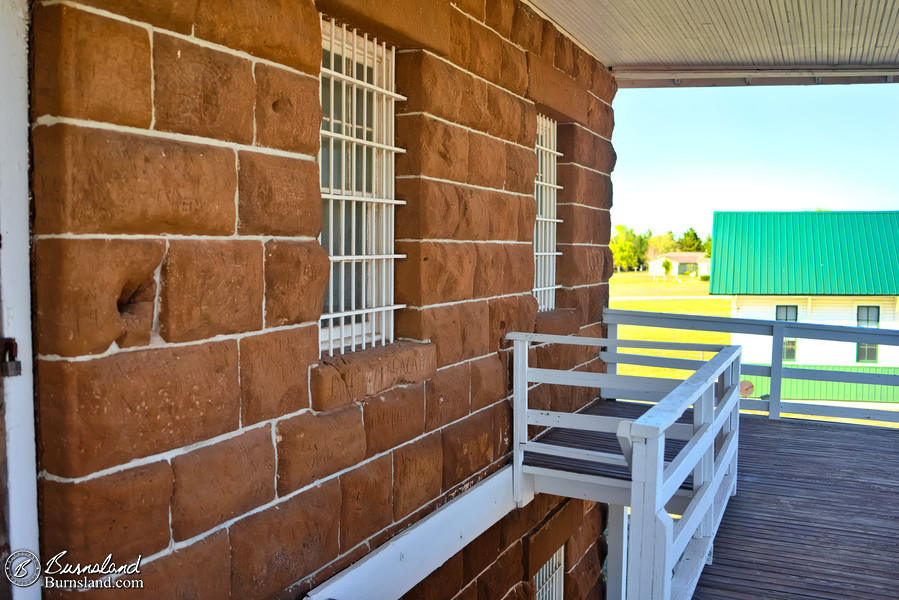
(837, 268)
(682, 263)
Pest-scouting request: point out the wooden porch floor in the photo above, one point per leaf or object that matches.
(816, 515)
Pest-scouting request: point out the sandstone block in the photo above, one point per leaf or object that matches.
(580, 264)
(467, 448)
(581, 146)
(489, 273)
(447, 396)
(460, 38)
(175, 15)
(441, 584)
(437, 87)
(583, 186)
(417, 469)
(89, 67)
(393, 418)
(105, 412)
(96, 181)
(589, 301)
(283, 31)
(296, 275)
(433, 148)
(219, 482)
(581, 580)
(527, 28)
(587, 535)
(481, 552)
(371, 371)
(367, 501)
(527, 132)
(278, 196)
(510, 313)
(554, 89)
(509, 216)
(603, 84)
(91, 293)
(126, 513)
(600, 117)
(475, 8)
(486, 161)
(210, 288)
(441, 211)
(272, 549)
(288, 110)
(583, 225)
(488, 381)
(502, 428)
(458, 331)
(327, 389)
(499, 16)
(497, 60)
(521, 169)
(518, 275)
(435, 272)
(555, 531)
(564, 55)
(274, 371)
(502, 575)
(311, 447)
(202, 92)
(560, 321)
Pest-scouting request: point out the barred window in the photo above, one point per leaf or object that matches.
(545, 189)
(356, 161)
(548, 580)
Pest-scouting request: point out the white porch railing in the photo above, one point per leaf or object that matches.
(665, 557)
(777, 331)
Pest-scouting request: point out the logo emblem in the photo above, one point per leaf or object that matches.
(23, 568)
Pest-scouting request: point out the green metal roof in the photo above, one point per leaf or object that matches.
(805, 253)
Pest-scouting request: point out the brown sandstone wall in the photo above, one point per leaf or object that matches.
(184, 413)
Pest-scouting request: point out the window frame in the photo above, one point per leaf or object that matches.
(789, 351)
(356, 161)
(870, 351)
(549, 580)
(546, 225)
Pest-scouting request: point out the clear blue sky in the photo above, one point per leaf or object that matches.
(684, 153)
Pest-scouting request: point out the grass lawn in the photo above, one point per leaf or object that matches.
(641, 284)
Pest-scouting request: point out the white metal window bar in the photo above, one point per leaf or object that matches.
(356, 161)
(545, 191)
(549, 579)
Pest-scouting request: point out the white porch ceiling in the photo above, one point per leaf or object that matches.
(658, 43)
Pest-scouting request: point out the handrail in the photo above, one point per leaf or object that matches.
(664, 557)
(777, 330)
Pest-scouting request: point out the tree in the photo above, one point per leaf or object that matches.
(659, 245)
(666, 265)
(690, 242)
(624, 247)
(641, 243)
(707, 246)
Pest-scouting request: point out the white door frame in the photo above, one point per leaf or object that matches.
(15, 281)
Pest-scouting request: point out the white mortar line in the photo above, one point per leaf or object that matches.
(588, 130)
(467, 301)
(584, 285)
(583, 206)
(447, 241)
(462, 183)
(563, 164)
(174, 237)
(421, 113)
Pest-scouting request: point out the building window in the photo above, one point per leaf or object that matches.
(356, 162)
(788, 312)
(868, 316)
(545, 189)
(548, 580)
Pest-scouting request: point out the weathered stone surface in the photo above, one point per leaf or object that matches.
(583, 578)
(91, 293)
(488, 381)
(442, 584)
(519, 268)
(367, 501)
(274, 548)
(521, 169)
(126, 513)
(283, 31)
(603, 84)
(523, 591)
(587, 535)
(475, 8)
(553, 533)
(437, 87)
(600, 117)
(296, 275)
(583, 225)
(489, 272)
(486, 161)
(467, 448)
(371, 371)
(481, 552)
(552, 88)
(98, 181)
(527, 28)
(105, 412)
(311, 447)
(560, 321)
(499, 16)
(417, 479)
(434, 148)
(507, 112)
(219, 482)
(458, 331)
(512, 216)
(460, 39)
(442, 211)
(588, 300)
(580, 264)
(393, 418)
(502, 575)
(89, 67)
(447, 396)
(510, 313)
(199, 91)
(497, 60)
(580, 145)
(327, 389)
(435, 272)
(583, 186)
(288, 110)
(210, 288)
(564, 55)
(278, 196)
(502, 428)
(421, 24)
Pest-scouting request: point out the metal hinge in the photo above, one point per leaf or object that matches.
(9, 365)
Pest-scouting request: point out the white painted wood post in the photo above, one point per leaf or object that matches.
(612, 334)
(704, 414)
(736, 373)
(616, 588)
(647, 572)
(519, 416)
(777, 365)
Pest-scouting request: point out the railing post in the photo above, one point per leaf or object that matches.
(777, 365)
(519, 416)
(617, 561)
(704, 414)
(612, 334)
(648, 571)
(735, 373)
